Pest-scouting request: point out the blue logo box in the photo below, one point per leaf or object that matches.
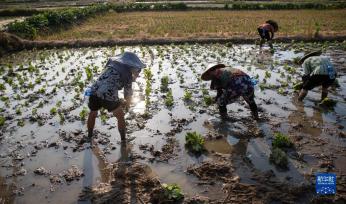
(325, 183)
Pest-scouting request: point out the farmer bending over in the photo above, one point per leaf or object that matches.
(230, 84)
(318, 70)
(119, 73)
(266, 32)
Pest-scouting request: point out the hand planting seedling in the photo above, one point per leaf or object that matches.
(194, 142)
(281, 141)
(172, 192)
(279, 158)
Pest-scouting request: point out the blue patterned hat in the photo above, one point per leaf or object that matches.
(130, 59)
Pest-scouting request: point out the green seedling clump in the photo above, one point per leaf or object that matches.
(2, 120)
(298, 86)
(194, 142)
(53, 111)
(164, 84)
(328, 102)
(281, 141)
(267, 75)
(279, 158)
(187, 95)
(83, 114)
(169, 101)
(89, 73)
(172, 192)
(208, 100)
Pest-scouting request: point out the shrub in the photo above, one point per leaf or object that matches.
(164, 83)
(187, 95)
(2, 120)
(169, 101)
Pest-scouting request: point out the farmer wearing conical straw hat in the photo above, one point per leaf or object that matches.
(119, 73)
(230, 84)
(318, 70)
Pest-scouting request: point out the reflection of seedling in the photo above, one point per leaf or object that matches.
(164, 83)
(194, 142)
(187, 95)
(53, 111)
(2, 120)
(172, 192)
(83, 114)
(327, 102)
(281, 141)
(169, 101)
(279, 158)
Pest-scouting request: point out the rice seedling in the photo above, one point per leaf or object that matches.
(169, 101)
(194, 142)
(164, 84)
(187, 95)
(172, 192)
(281, 141)
(83, 114)
(53, 111)
(2, 120)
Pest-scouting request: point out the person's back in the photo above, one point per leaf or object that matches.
(319, 65)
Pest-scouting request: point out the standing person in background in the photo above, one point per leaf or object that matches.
(119, 73)
(318, 70)
(266, 32)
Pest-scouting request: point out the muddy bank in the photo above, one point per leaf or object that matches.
(11, 43)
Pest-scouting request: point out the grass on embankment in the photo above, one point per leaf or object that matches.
(175, 24)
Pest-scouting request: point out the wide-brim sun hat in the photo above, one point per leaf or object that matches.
(310, 54)
(130, 59)
(206, 75)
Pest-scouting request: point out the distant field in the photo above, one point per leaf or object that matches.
(204, 24)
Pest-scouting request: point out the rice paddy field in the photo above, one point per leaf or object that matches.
(203, 23)
(43, 116)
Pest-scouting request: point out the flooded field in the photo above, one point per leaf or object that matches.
(43, 116)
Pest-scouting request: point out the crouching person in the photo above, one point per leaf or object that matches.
(119, 73)
(230, 84)
(318, 70)
(266, 32)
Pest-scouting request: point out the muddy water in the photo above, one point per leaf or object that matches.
(38, 81)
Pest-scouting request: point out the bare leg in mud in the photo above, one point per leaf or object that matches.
(324, 93)
(119, 114)
(91, 122)
(252, 104)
